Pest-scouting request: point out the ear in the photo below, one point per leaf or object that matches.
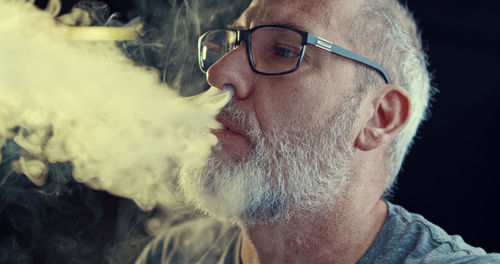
(391, 111)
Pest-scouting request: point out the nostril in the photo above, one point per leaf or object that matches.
(229, 87)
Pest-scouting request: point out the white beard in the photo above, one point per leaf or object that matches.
(287, 172)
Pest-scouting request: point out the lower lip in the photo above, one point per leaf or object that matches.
(234, 144)
(227, 136)
(224, 133)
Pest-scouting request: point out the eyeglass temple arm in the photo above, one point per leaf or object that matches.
(329, 46)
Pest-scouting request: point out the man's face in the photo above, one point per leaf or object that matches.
(290, 136)
(303, 99)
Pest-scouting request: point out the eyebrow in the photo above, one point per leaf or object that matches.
(237, 26)
(293, 25)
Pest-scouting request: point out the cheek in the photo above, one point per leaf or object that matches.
(291, 103)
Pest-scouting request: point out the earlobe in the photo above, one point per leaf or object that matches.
(390, 115)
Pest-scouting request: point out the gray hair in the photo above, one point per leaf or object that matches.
(386, 32)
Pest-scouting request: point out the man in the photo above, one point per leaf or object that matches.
(327, 98)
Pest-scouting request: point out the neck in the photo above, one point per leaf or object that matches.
(340, 232)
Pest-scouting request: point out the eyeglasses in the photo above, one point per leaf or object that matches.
(271, 49)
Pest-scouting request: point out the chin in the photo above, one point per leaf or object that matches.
(213, 193)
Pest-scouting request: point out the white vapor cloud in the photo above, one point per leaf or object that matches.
(85, 102)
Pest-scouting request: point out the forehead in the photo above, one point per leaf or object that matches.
(316, 16)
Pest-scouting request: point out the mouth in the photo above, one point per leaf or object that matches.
(227, 126)
(233, 142)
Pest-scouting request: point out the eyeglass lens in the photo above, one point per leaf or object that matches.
(213, 45)
(273, 50)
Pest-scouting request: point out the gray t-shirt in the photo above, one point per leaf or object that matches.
(409, 238)
(404, 238)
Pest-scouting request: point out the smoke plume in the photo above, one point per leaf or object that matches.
(76, 114)
(121, 129)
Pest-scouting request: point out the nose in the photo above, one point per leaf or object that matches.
(232, 70)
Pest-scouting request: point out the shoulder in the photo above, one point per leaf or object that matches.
(200, 240)
(409, 238)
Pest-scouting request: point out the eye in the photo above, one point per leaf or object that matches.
(284, 52)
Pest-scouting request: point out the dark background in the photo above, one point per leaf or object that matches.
(451, 174)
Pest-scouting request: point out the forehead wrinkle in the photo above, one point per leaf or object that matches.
(307, 7)
(275, 14)
(328, 15)
(316, 18)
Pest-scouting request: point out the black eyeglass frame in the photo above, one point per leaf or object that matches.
(307, 39)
